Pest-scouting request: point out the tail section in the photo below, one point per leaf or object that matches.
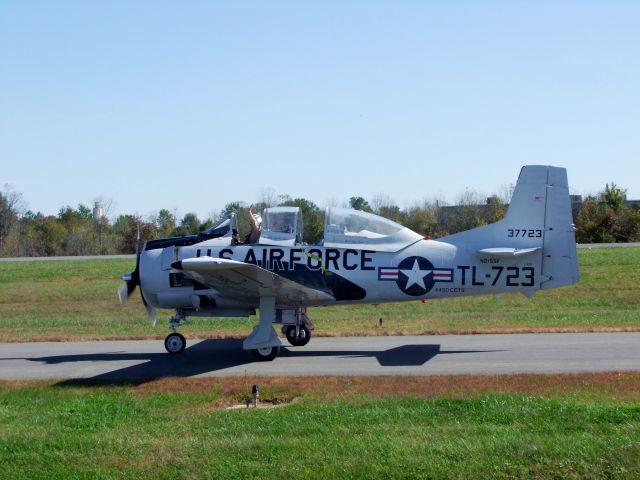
(539, 218)
(541, 202)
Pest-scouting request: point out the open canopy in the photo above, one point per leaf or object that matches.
(343, 228)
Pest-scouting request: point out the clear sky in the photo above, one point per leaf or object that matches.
(189, 105)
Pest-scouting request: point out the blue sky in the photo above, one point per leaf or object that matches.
(191, 105)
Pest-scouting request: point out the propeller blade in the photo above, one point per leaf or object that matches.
(131, 281)
(138, 248)
(150, 310)
(152, 314)
(123, 292)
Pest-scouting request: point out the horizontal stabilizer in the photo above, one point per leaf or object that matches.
(506, 251)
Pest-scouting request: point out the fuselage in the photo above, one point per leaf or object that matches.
(362, 258)
(422, 270)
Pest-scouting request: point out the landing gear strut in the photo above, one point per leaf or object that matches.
(263, 340)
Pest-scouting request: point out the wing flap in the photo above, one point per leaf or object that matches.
(248, 282)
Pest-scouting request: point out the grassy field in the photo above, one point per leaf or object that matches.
(508, 426)
(523, 426)
(67, 300)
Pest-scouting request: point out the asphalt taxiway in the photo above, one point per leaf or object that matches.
(405, 355)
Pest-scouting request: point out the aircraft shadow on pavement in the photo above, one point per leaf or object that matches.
(210, 356)
(402, 356)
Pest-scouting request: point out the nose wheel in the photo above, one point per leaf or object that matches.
(175, 343)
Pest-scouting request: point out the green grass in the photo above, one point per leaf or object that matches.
(136, 432)
(76, 299)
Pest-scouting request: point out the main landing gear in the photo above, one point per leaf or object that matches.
(265, 354)
(297, 326)
(297, 335)
(263, 342)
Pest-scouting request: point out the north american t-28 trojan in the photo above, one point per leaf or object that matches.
(362, 258)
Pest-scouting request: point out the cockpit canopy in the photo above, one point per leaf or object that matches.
(281, 226)
(345, 227)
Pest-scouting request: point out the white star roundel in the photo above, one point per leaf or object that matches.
(415, 276)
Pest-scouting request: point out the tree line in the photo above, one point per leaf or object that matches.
(605, 217)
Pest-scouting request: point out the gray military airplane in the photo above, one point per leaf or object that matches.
(362, 258)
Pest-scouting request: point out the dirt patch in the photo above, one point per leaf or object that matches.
(269, 403)
(18, 384)
(229, 391)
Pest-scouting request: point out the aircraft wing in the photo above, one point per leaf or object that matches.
(248, 282)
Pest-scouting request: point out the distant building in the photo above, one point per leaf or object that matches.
(576, 204)
(98, 213)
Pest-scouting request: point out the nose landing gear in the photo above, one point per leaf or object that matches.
(175, 343)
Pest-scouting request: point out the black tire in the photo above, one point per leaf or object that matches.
(266, 354)
(175, 343)
(304, 335)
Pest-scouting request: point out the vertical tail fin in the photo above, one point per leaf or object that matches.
(541, 202)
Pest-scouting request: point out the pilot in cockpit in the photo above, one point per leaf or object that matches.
(235, 237)
(255, 222)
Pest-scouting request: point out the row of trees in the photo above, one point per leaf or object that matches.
(606, 217)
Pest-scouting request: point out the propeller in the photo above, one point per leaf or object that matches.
(131, 281)
(151, 311)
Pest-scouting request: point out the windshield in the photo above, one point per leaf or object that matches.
(223, 227)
